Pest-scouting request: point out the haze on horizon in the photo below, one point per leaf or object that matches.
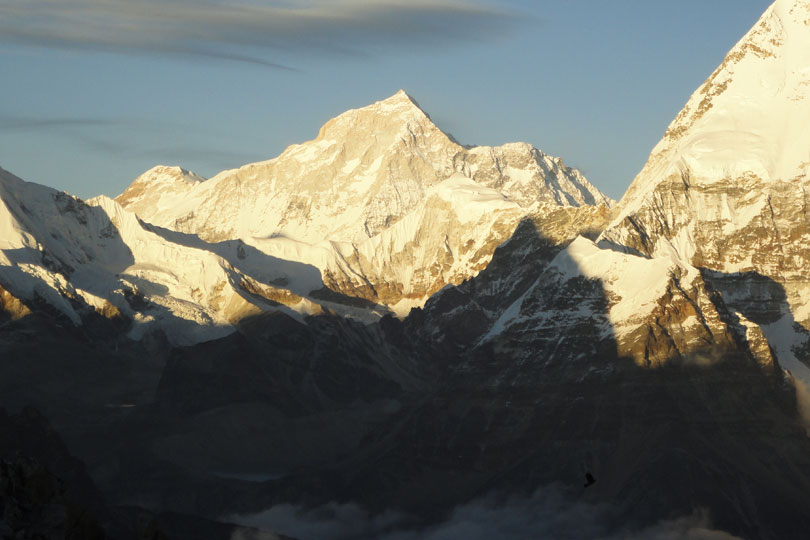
(102, 91)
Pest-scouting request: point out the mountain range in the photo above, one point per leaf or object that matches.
(385, 318)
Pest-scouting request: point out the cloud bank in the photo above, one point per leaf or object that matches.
(550, 512)
(251, 31)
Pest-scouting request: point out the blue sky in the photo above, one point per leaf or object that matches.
(95, 92)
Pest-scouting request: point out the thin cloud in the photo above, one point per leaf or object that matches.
(124, 138)
(9, 122)
(214, 159)
(90, 132)
(246, 31)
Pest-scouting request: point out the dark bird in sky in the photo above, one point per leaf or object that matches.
(589, 479)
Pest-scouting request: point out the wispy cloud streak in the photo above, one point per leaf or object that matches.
(247, 30)
(33, 122)
(127, 139)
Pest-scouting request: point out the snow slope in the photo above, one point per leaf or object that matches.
(750, 117)
(95, 257)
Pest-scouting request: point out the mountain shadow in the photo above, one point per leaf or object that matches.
(299, 278)
(323, 384)
(246, 258)
(710, 427)
(516, 380)
(763, 300)
(70, 359)
(45, 492)
(423, 415)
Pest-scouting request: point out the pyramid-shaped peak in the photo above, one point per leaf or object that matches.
(401, 101)
(389, 114)
(401, 97)
(399, 104)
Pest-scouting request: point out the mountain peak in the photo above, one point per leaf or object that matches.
(749, 118)
(402, 97)
(399, 103)
(168, 174)
(160, 184)
(387, 118)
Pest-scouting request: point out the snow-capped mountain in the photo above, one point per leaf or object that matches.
(365, 171)
(741, 134)
(726, 188)
(385, 205)
(378, 213)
